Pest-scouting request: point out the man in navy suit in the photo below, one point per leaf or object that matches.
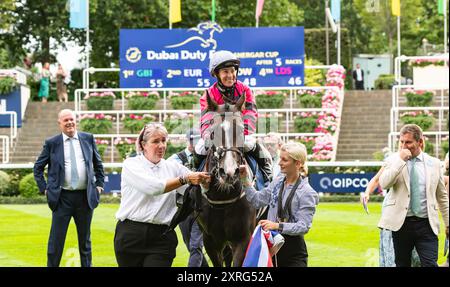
(75, 181)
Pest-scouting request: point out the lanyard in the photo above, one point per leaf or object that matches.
(284, 213)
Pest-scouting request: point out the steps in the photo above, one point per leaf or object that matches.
(365, 125)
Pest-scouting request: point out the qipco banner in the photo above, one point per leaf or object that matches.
(340, 183)
(179, 58)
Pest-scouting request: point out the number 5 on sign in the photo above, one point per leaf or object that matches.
(297, 81)
(156, 83)
(203, 83)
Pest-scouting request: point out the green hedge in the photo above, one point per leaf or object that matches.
(96, 126)
(310, 101)
(28, 187)
(5, 181)
(275, 101)
(100, 103)
(306, 124)
(423, 121)
(385, 82)
(419, 100)
(7, 85)
(142, 103)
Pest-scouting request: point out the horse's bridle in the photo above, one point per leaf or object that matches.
(218, 154)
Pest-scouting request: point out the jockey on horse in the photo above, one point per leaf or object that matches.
(224, 66)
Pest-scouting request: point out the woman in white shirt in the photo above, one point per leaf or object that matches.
(148, 205)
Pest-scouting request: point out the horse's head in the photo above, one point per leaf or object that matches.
(227, 133)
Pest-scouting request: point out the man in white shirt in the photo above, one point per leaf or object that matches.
(75, 181)
(358, 76)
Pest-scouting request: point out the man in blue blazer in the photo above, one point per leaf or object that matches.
(75, 181)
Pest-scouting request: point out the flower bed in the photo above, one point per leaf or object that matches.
(418, 98)
(270, 99)
(179, 123)
(309, 143)
(426, 62)
(327, 123)
(96, 124)
(184, 100)
(310, 98)
(100, 101)
(125, 146)
(142, 100)
(306, 122)
(102, 145)
(323, 148)
(423, 119)
(134, 123)
(268, 122)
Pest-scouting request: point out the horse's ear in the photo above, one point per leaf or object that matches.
(240, 103)
(212, 105)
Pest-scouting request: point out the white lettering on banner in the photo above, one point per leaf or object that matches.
(293, 61)
(245, 71)
(171, 73)
(163, 55)
(127, 73)
(327, 183)
(269, 54)
(183, 55)
(197, 55)
(192, 72)
(264, 62)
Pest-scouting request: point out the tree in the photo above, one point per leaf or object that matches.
(35, 23)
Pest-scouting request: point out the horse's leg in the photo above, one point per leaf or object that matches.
(213, 250)
(239, 249)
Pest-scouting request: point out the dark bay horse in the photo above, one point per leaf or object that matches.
(227, 219)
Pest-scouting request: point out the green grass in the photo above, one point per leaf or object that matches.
(342, 235)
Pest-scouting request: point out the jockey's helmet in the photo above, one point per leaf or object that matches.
(222, 59)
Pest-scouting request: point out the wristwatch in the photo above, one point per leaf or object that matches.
(182, 180)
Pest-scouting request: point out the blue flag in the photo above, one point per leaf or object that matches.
(78, 14)
(336, 10)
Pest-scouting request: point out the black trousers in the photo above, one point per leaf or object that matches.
(293, 253)
(138, 244)
(415, 232)
(359, 85)
(71, 204)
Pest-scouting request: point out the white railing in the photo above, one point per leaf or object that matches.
(5, 148)
(293, 91)
(395, 115)
(13, 127)
(396, 109)
(292, 95)
(396, 90)
(399, 60)
(113, 137)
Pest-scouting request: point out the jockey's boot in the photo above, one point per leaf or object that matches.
(264, 162)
